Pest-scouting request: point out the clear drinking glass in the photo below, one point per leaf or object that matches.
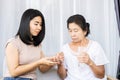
(81, 50)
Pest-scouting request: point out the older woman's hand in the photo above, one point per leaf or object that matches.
(60, 57)
(84, 58)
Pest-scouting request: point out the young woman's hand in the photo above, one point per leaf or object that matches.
(47, 61)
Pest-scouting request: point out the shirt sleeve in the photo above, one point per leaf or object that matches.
(14, 43)
(100, 57)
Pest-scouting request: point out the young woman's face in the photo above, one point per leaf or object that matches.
(76, 33)
(35, 26)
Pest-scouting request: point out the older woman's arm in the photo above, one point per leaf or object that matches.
(99, 71)
(62, 72)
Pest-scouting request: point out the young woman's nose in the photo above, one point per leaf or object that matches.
(39, 27)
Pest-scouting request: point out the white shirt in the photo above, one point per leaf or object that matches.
(81, 71)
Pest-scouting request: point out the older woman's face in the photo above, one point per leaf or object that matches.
(35, 26)
(76, 33)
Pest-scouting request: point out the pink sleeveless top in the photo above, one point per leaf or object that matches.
(27, 54)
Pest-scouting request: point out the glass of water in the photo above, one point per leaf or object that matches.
(81, 50)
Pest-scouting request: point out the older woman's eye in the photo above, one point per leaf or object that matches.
(76, 30)
(70, 30)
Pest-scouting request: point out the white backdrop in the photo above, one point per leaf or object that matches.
(99, 13)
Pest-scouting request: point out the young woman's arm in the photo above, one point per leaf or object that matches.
(15, 68)
(44, 68)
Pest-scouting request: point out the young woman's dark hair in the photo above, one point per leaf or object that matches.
(24, 28)
(79, 20)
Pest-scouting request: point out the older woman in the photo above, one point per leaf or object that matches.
(84, 59)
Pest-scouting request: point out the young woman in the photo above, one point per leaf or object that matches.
(24, 52)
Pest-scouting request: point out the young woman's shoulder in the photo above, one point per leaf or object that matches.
(14, 41)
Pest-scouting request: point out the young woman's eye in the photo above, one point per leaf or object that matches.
(36, 24)
(40, 24)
